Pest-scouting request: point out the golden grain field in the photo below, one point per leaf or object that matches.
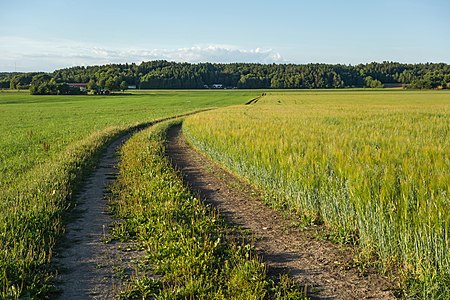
(374, 167)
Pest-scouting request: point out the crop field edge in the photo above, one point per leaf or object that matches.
(214, 262)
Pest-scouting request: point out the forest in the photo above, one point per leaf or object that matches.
(172, 75)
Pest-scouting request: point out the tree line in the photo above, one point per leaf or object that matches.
(171, 75)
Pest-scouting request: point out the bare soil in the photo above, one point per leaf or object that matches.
(91, 267)
(323, 268)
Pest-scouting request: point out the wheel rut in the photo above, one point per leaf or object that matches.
(320, 266)
(89, 265)
(90, 268)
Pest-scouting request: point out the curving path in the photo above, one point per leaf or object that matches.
(323, 268)
(89, 267)
(93, 269)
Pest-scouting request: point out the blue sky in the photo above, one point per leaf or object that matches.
(43, 35)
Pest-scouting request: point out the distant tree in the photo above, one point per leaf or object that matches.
(123, 86)
(5, 83)
(22, 80)
(43, 84)
(435, 79)
(63, 89)
(102, 83)
(92, 86)
(251, 81)
(406, 76)
(14, 83)
(373, 83)
(421, 84)
(277, 83)
(111, 84)
(171, 75)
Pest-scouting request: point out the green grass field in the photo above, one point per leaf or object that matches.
(47, 144)
(36, 128)
(373, 166)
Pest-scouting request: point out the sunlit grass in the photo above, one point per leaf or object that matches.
(187, 247)
(47, 145)
(34, 129)
(373, 166)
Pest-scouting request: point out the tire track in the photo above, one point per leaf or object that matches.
(89, 267)
(88, 263)
(320, 266)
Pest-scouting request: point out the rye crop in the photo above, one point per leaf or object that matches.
(373, 167)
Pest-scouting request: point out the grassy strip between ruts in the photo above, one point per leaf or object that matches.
(188, 248)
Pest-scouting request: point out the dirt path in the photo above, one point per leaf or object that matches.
(319, 265)
(90, 267)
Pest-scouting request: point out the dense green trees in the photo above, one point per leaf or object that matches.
(123, 86)
(19, 80)
(45, 84)
(92, 85)
(171, 75)
(373, 83)
(5, 80)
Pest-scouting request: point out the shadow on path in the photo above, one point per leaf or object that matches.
(320, 266)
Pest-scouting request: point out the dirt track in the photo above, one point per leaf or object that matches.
(91, 267)
(320, 266)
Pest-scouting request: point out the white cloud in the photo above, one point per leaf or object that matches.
(34, 55)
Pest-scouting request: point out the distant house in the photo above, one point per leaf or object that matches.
(132, 87)
(217, 86)
(81, 86)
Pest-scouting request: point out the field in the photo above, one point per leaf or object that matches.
(47, 144)
(36, 129)
(193, 252)
(372, 166)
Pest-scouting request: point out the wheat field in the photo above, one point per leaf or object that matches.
(373, 167)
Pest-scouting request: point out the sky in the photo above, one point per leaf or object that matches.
(44, 35)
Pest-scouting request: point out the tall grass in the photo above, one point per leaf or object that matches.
(373, 166)
(47, 145)
(187, 247)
